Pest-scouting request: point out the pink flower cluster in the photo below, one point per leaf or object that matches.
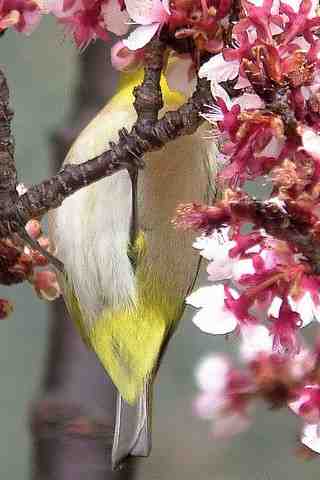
(19, 263)
(265, 83)
(227, 393)
(257, 279)
(200, 21)
(23, 15)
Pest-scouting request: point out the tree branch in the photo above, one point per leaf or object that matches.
(125, 154)
(8, 177)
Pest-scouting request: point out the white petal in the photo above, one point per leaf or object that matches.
(275, 307)
(278, 202)
(178, 76)
(141, 36)
(215, 321)
(255, 339)
(214, 318)
(249, 100)
(254, 249)
(302, 43)
(312, 414)
(242, 267)
(219, 70)
(139, 10)
(219, 92)
(301, 363)
(115, 19)
(211, 373)
(269, 258)
(21, 189)
(220, 269)
(275, 5)
(201, 297)
(166, 6)
(201, 242)
(304, 306)
(316, 312)
(252, 34)
(311, 142)
(296, 404)
(275, 29)
(257, 3)
(311, 437)
(242, 82)
(217, 247)
(272, 149)
(294, 4)
(206, 405)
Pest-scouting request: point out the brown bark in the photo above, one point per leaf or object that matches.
(8, 178)
(148, 134)
(72, 423)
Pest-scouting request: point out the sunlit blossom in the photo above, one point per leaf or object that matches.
(213, 316)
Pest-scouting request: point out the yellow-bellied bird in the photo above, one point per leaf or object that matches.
(127, 294)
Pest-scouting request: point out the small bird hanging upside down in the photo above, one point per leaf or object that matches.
(128, 270)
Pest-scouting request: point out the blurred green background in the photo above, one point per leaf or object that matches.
(42, 70)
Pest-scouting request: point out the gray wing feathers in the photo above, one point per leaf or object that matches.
(132, 434)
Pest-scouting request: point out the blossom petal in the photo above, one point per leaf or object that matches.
(139, 10)
(215, 321)
(255, 339)
(220, 269)
(206, 405)
(243, 267)
(178, 75)
(200, 297)
(141, 36)
(211, 373)
(311, 142)
(219, 70)
(305, 307)
(115, 20)
(249, 101)
(274, 308)
(311, 436)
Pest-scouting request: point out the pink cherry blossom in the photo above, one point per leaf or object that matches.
(255, 339)
(181, 75)
(88, 20)
(311, 437)
(307, 403)
(33, 228)
(218, 70)
(221, 398)
(151, 15)
(124, 59)
(213, 316)
(46, 284)
(23, 15)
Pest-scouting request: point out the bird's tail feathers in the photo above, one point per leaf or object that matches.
(132, 434)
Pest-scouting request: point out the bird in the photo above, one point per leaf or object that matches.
(127, 270)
